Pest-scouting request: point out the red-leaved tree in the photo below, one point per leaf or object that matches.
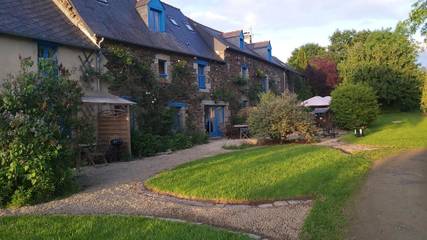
(322, 74)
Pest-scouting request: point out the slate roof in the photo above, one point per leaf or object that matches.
(120, 21)
(40, 20)
(209, 34)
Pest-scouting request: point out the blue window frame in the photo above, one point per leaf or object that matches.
(201, 77)
(163, 69)
(47, 53)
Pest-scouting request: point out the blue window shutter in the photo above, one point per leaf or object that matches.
(201, 76)
(242, 40)
(201, 65)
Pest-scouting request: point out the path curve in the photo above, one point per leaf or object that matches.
(118, 189)
(392, 203)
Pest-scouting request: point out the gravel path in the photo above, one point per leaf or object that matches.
(118, 189)
(125, 172)
(392, 203)
(345, 147)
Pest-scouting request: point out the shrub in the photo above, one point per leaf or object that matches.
(147, 145)
(37, 117)
(354, 106)
(276, 117)
(198, 137)
(180, 141)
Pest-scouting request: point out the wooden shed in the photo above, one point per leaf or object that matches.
(111, 116)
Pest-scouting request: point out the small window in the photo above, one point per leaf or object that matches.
(47, 56)
(189, 27)
(155, 20)
(174, 22)
(265, 84)
(201, 77)
(163, 72)
(245, 72)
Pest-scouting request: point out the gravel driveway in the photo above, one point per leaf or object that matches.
(118, 189)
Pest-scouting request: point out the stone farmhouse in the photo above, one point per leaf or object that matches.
(75, 32)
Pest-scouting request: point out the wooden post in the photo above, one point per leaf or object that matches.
(129, 134)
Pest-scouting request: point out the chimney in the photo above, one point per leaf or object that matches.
(248, 37)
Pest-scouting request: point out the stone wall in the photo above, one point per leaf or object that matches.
(219, 75)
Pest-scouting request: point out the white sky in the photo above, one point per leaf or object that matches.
(292, 23)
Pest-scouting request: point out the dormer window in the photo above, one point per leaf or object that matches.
(189, 27)
(242, 40)
(173, 21)
(155, 20)
(152, 13)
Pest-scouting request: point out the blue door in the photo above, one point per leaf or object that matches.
(214, 121)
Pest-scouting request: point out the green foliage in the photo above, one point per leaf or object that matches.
(276, 117)
(424, 96)
(354, 106)
(146, 145)
(418, 18)
(386, 61)
(301, 56)
(198, 137)
(341, 41)
(38, 113)
(107, 227)
(180, 141)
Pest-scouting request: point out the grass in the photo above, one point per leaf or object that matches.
(107, 227)
(409, 130)
(274, 173)
(296, 171)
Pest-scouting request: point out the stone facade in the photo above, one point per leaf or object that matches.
(218, 76)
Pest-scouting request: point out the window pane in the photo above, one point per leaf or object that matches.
(162, 67)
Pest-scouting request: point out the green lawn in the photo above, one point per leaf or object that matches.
(411, 132)
(295, 171)
(273, 173)
(101, 228)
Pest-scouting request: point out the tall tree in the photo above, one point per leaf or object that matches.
(341, 41)
(387, 61)
(323, 75)
(302, 55)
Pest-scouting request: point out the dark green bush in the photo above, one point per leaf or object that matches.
(146, 145)
(354, 106)
(180, 141)
(198, 137)
(37, 117)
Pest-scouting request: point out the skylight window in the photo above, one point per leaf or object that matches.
(174, 21)
(102, 1)
(189, 27)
